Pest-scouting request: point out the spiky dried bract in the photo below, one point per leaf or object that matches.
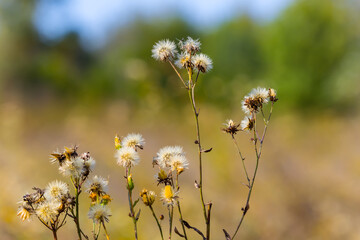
(255, 100)
(231, 127)
(97, 185)
(99, 213)
(184, 61)
(56, 189)
(164, 155)
(164, 50)
(25, 211)
(272, 95)
(48, 210)
(178, 163)
(148, 197)
(168, 196)
(127, 157)
(202, 62)
(247, 123)
(133, 140)
(191, 46)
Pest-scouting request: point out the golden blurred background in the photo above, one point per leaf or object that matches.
(74, 72)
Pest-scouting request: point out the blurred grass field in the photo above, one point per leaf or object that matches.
(57, 92)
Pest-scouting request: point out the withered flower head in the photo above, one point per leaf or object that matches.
(272, 95)
(231, 127)
(184, 61)
(162, 177)
(148, 197)
(190, 46)
(247, 124)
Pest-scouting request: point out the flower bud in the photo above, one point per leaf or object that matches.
(130, 183)
(117, 142)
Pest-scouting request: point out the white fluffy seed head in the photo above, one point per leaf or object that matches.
(99, 213)
(178, 163)
(98, 185)
(202, 62)
(164, 50)
(127, 156)
(56, 190)
(164, 155)
(48, 210)
(247, 123)
(190, 46)
(133, 140)
(261, 94)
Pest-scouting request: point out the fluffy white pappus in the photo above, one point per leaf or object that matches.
(127, 156)
(178, 163)
(48, 210)
(164, 50)
(90, 164)
(99, 213)
(261, 94)
(190, 45)
(183, 60)
(202, 62)
(133, 140)
(247, 124)
(72, 168)
(164, 155)
(97, 185)
(56, 190)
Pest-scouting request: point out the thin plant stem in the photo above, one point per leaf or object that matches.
(157, 222)
(182, 80)
(77, 222)
(171, 215)
(54, 234)
(131, 205)
(179, 208)
(106, 233)
(258, 155)
(242, 158)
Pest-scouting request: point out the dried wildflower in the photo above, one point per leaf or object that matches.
(168, 196)
(162, 177)
(133, 140)
(190, 46)
(272, 95)
(202, 62)
(247, 123)
(255, 100)
(48, 210)
(25, 211)
(165, 153)
(178, 163)
(164, 50)
(72, 167)
(99, 213)
(148, 197)
(97, 185)
(57, 157)
(127, 157)
(89, 164)
(184, 61)
(231, 127)
(56, 189)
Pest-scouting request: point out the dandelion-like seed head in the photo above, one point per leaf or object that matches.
(202, 62)
(56, 189)
(133, 140)
(48, 210)
(231, 127)
(127, 156)
(190, 46)
(72, 167)
(184, 60)
(89, 164)
(178, 163)
(99, 213)
(247, 124)
(260, 94)
(255, 100)
(97, 185)
(168, 196)
(164, 50)
(165, 153)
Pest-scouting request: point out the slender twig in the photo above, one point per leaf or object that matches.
(106, 233)
(54, 234)
(171, 215)
(77, 222)
(131, 205)
(179, 208)
(157, 222)
(258, 155)
(242, 158)
(182, 80)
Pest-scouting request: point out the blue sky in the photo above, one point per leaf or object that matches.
(94, 20)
